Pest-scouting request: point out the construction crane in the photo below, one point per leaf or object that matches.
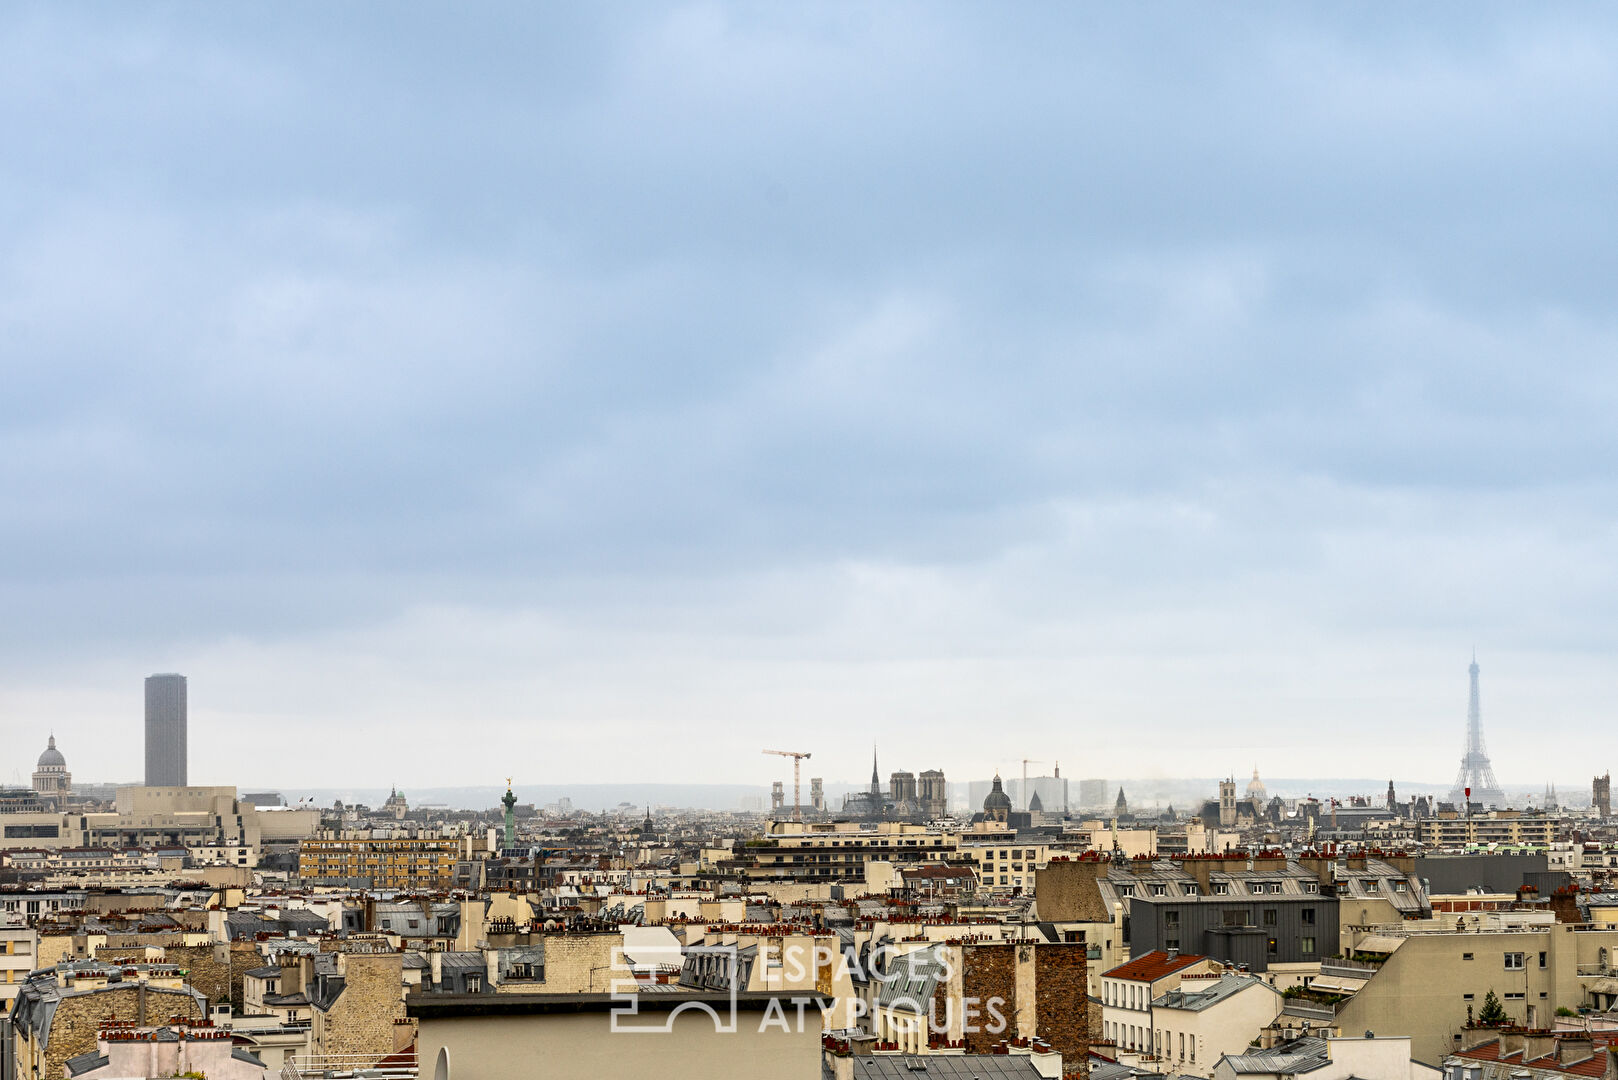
(1026, 801)
(797, 764)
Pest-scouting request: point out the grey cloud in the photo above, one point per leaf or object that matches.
(925, 335)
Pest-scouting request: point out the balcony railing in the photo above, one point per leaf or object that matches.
(396, 1066)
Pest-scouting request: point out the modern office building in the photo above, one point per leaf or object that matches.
(165, 731)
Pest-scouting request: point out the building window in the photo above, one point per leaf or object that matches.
(1269, 916)
(1171, 943)
(1190, 890)
(1307, 916)
(1306, 945)
(1270, 947)
(1541, 959)
(1171, 918)
(1468, 997)
(1221, 888)
(1466, 956)
(1401, 885)
(1514, 961)
(1514, 997)
(1159, 890)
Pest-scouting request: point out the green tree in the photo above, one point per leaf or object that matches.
(1493, 1014)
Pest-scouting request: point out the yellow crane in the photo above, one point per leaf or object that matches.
(797, 764)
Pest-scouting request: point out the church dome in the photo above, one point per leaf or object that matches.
(1255, 786)
(997, 799)
(52, 757)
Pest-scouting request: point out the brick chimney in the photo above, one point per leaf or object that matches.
(1401, 861)
(1574, 1048)
(1318, 865)
(1535, 1044)
(1201, 870)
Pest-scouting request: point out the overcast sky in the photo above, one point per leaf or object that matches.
(608, 392)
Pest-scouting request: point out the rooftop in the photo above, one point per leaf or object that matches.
(945, 1067)
(1153, 966)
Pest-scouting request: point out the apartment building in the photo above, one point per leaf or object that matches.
(19, 951)
(1428, 980)
(1128, 990)
(835, 850)
(1075, 897)
(954, 997)
(1504, 827)
(211, 818)
(390, 863)
(1006, 865)
(1265, 909)
(1209, 1016)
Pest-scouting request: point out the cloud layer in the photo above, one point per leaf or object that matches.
(610, 394)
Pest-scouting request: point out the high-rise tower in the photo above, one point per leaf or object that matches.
(1476, 772)
(165, 731)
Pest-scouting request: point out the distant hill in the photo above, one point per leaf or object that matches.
(594, 797)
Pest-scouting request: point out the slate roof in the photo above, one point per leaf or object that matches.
(467, 960)
(911, 979)
(1297, 1056)
(86, 1062)
(1200, 994)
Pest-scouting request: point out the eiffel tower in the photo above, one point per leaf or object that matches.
(1476, 772)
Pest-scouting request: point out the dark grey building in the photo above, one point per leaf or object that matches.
(165, 731)
(1256, 931)
(1491, 872)
(1254, 910)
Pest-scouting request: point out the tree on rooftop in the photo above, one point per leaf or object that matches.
(1493, 1014)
